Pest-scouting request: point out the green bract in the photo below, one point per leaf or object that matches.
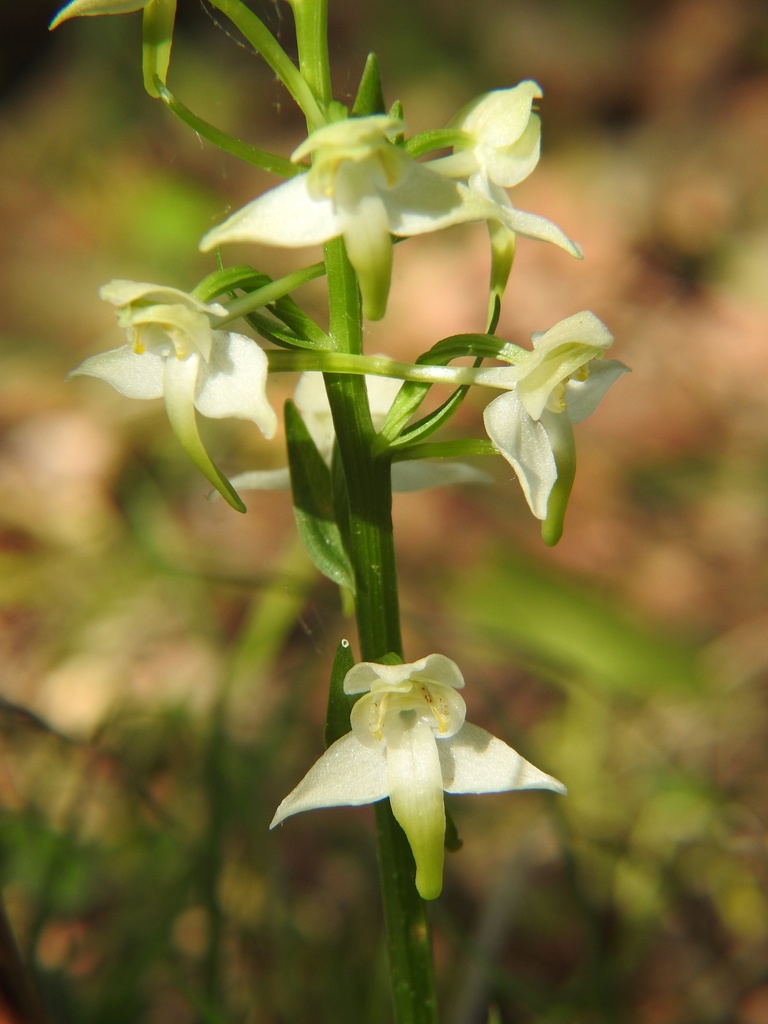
(174, 353)
(409, 742)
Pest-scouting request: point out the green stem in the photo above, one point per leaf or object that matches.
(372, 553)
(311, 20)
(368, 484)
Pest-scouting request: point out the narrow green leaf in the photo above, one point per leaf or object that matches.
(340, 704)
(313, 501)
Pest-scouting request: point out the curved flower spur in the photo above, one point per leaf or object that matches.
(409, 742)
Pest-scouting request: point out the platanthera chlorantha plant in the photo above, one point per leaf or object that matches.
(396, 734)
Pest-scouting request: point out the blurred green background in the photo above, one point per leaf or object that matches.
(164, 660)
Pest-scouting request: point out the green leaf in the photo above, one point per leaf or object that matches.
(313, 501)
(340, 704)
(370, 98)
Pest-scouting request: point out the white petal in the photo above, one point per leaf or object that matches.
(500, 117)
(424, 201)
(416, 795)
(584, 327)
(125, 293)
(513, 163)
(435, 668)
(132, 374)
(474, 761)
(233, 382)
(347, 775)
(419, 475)
(507, 134)
(530, 225)
(582, 397)
(524, 443)
(286, 215)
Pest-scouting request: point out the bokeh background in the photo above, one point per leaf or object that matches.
(163, 660)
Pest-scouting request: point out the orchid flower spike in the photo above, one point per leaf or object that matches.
(173, 352)
(409, 742)
(364, 188)
(312, 402)
(556, 385)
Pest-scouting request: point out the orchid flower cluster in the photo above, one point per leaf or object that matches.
(356, 186)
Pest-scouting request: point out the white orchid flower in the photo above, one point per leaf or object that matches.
(365, 189)
(556, 385)
(499, 146)
(409, 742)
(312, 402)
(174, 353)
